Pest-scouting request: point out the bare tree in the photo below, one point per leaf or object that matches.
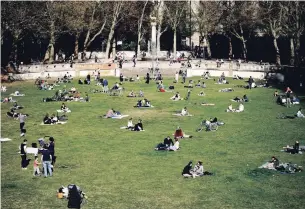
(175, 10)
(272, 16)
(141, 31)
(159, 9)
(293, 27)
(207, 17)
(117, 9)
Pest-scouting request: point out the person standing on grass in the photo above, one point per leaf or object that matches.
(183, 77)
(46, 160)
(288, 98)
(23, 154)
(22, 123)
(105, 84)
(250, 82)
(177, 77)
(36, 167)
(147, 78)
(51, 149)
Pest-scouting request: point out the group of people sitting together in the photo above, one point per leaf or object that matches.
(222, 79)
(168, 145)
(137, 127)
(64, 108)
(143, 103)
(287, 99)
(54, 119)
(12, 113)
(64, 95)
(198, 170)
(274, 164)
(241, 108)
(132, 94)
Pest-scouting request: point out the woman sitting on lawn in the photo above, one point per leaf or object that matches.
(176, 97)
(293, 149)
(230, 108)
(176, 146)
(132, 94)
(273, 164)
(184, 112)
(187, 170)
(180, 134)
(198, 169)
(300, 114)
(241, 108)
(166, 144)
(54, 119)
(139, 126)
(160, 87)
(143, 103)
(47, 119)
(245, 98)
(64, 108)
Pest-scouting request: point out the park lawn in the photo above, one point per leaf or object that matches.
(120, 169)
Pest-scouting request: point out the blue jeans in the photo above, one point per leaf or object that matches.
(46, 168)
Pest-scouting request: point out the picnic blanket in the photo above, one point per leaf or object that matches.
(58, 123)
(144, 106)
(17, 95)
(64, 111)
(179, 114)
(207, 104)
(5, 139)
(117, 116)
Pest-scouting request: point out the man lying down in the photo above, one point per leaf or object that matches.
(168, 145)
(274, 164)
(179, 134)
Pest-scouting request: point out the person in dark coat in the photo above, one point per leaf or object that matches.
(147, 78)
(74, 198)
(187, 170)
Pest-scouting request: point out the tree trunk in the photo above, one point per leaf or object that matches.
(277, 52)
(292, 55)
(174, 43)
(245, 51)
(297, 50)
(158, 40)
(230, 48)
(49, 55)
(113, 48)
(110, 36)
(139, 45)
(76, 45)
(208, 45)
(159, 21)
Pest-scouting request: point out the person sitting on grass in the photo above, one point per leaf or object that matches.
(64, 108)
(245, 98)
(139, 126)
(112, 113)
(13, 114)
(276, 93)
(116, 86)
(141, 93)
(132, 94)
(188, 95)
(230, 108)
(293, 149)
(179, 134)
(130, 124)
(300, 114)
(176, 97)
(165, 145)
(203, 85)
(295, 100)
(241, 108)
(236, 99)
(47, 119)
(187, 170)
(273, 164)
(54, 119)
(16, 106)
(201, 93)
(184, 112)
(198, 169)
(176, 146)
(198, 84)
(160, 87)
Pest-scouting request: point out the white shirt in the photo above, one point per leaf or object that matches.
(230, 107)
(299, 114)
(241, 107)
(183, 112)
(176, 145)
(129, 124)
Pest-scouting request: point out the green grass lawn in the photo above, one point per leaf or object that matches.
(120, 169)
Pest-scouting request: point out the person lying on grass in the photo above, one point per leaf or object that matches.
(176, 97)
(179, 134)
(295, 149)
(226, 90)
(167, 142)
(132, 94)
(16, 106)
(244, 99)
(112, 113)
(300, 114)
(275, 164)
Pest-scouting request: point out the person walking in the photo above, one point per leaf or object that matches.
(46, 160)
(147, 78)
(36, 167)
(134, 59)
(23, 154)
(22, 118)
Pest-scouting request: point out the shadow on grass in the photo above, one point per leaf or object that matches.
(259, 173)
(9, 186)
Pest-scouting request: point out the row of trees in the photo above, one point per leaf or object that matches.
(93, 19)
